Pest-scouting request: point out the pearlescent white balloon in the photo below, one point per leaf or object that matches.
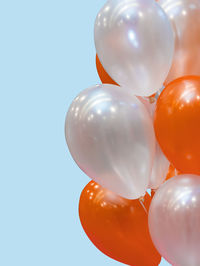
(160, 163)
(110, 136)
(185, 19)
(159, 170)
(134, 41)
(174, 220)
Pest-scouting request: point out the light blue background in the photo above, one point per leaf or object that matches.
(47, 57)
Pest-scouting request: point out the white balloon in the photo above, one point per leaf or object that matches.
(159, 170)
(174, 220)
(185, 18)
(110, 136)
(135, 43)
(160, 163)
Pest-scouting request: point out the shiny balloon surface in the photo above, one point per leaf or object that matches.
(174, 219)
(177, 124)
(110, 136)
(117, 226)
(185, 18)
(135, 43)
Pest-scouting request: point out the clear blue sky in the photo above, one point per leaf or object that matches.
(47, 57)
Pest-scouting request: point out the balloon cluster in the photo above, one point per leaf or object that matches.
(131, 133)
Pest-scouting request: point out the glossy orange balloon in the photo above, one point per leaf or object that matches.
(118, 227)
(177, 124)
(103, 75)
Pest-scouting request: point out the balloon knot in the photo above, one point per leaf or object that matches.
(141, 199)
(152, 99)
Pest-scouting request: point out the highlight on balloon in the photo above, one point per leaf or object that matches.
(136, 134)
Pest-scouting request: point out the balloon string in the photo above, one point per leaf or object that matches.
(142, 203)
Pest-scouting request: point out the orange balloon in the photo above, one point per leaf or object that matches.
(118, 227)
(177, 123)
(103, 75)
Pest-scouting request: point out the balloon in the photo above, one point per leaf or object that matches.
(160, 163)
(150, 105)
(118, 227)
(174, 219)
(177, 120)
(110, 136)
(171, 173)
(103, 75)
(185, 19)
(135, 43)
(159, 170)
(106, 79)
